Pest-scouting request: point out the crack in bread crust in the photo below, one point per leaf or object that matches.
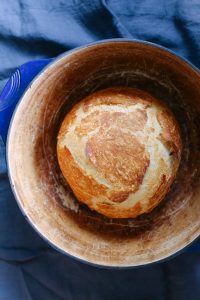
(124, 145)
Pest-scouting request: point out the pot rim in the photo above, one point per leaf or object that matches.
(54, 61)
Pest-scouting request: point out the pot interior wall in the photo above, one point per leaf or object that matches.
(40, 187)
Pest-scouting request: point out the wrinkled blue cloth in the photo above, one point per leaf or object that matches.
(29, 267)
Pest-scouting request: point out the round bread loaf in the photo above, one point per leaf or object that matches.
(119, 150)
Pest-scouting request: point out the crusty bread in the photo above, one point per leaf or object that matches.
(119, 149)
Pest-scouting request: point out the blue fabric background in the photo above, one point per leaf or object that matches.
(29, 268)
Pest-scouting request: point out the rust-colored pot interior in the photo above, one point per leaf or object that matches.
(38, 183)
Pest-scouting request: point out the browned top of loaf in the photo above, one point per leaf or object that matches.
(119, 150)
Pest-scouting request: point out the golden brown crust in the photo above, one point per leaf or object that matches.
(119, 150)
(106, 97)
(79, 183)
(169, 132)
(121, 160)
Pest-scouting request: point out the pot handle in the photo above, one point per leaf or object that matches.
(14, 89)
